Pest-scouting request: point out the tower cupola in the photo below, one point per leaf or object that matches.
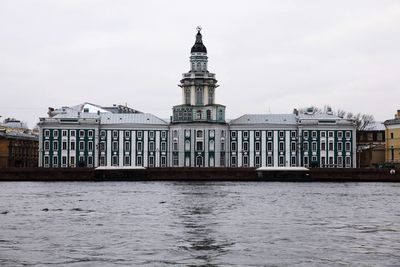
(198, 46)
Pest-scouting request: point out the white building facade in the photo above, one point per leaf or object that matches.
(88, 135)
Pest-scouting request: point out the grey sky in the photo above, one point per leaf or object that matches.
(269, 56)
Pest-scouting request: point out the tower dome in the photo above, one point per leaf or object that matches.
(198, 46)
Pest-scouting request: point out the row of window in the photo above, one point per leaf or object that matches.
(82, 161)
(72, 133)
(139, 161)
(293, 146)
(293, 134)
(128, 144)
(127, 134)
(72, 145)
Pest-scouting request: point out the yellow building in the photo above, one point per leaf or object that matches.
(393, 140)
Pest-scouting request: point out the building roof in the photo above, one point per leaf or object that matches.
(375, 126)
(142, 118)
(265, 119)
(198, 45)
(20, 136)
(392, 121)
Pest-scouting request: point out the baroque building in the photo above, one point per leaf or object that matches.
(198, 134)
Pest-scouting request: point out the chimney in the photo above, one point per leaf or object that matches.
(398, 114)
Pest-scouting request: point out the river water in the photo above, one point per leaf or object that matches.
(199, 224)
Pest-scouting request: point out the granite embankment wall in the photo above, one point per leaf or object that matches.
(195, 174)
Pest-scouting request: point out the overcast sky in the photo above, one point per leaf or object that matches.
(269, 56)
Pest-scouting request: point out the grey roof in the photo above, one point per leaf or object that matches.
(392, 121)
(74, 115)
(127, 118)
(375, 126)
(18, 135)
(265, 119)
(318, 116)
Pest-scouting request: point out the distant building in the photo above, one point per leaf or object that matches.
(18, 146)
(197, 135)
(393, 139)
(371, 145)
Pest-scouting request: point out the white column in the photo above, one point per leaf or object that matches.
(109, 148)
(157, 156)
(145, 147)
(276, 152)
(133, 148)
(239, 148)
(263, 149)
(288, 153)
(251, 146)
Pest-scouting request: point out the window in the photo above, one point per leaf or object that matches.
(233, 161)
(64, 145)
(55, 133)
(257, 134)
(90, 146)
(198, 115)
(222, 160)
(269, 146)
(281, 146)
(90, 161)
(233, 146)
(115, 134)
(257, 146)
(64, 160)
(281, 161)
(348, 162)
(305, 135)
(323, 161)
(348, 146)
(348, 134)
(163, 134)
(210, 96)
(199, 96)
(340, 135)
(163, 146)
(102, 161)
(72, 160)
(391, 135)
(127, 146)
(139, 146)
(330, 134)
(90, 134)
(114, 145)
(269, 160)
(314, 146)
(340, 161)
(208, 112)
(293, 146)
(245, 146)
(340, 146)
(281, 134)
(127, 134)
(114, 160)
(222, 133)
(199, 146)
(127, 160)
(64, 133)
(245, 134)
(102, 146)
(187, 96)
(175, 134)
(46, 161)
(175, 146)
(305, 146)
(199, 134)
(81, 145)
(293, 134)
(269, 134)
(330, 161)
(151, 146)
(330, 146)
(323, 146)
(175, 160)
(55, 145)
(245, 161)
(293, 161)
(222, 146)
(151, 134)
(72, 133)
(305, 160)
(211, 133)
(81, 133)
(233, 134)
(55, 161)
(72, 145)
(163, 161)
(47, 134)
(139, 134)
(103, 134)
(314, 158)
(151, 161)
(323, 134)
(314, 134)
(46, 145)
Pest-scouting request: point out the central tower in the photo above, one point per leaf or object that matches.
(198, 90)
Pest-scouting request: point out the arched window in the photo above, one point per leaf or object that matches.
(208, 114)
(199, 134)
(187, 96)
(221, 115)
(187, 145)
(199, 96)
(198, 115)
(198, 66)
(212, 145)
(210, 96)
